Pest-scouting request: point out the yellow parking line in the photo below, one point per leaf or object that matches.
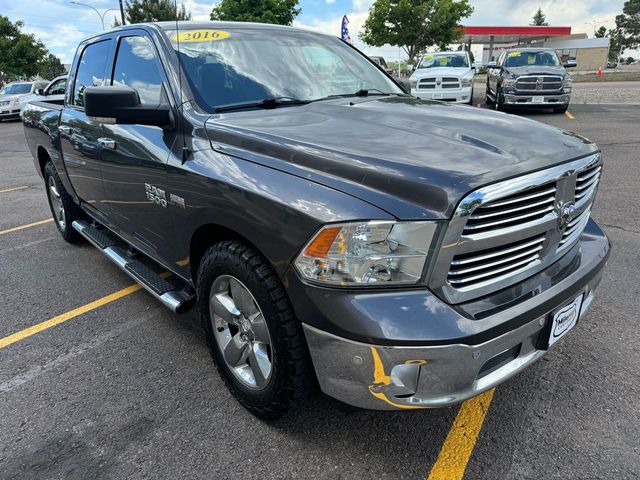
(457, 448)
(6, 190)
(22, 227)
(52, 322)
(569, 115)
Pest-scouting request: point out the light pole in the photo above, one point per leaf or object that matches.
(594, 24)
(101, 15)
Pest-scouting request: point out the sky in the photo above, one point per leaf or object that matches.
(62, 25)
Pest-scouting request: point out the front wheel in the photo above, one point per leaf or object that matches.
(562, 109)
(63, 208)
(255, 340)
(499, 104)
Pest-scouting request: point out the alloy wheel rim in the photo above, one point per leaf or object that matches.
(56, 204)
(241, 332)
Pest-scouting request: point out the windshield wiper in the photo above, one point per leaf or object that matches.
(363, 92)
(272, 102)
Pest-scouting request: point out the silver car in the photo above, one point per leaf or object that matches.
(11, 95)
(51, 93)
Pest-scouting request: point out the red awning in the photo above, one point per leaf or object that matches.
(512, 34)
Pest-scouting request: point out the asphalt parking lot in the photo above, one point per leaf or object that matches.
(115, 386)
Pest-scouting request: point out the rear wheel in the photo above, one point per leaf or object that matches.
(255, 340)
(63, 208)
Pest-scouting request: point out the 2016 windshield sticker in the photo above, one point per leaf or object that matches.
(200, 36)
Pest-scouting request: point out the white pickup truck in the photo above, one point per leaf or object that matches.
(446, 76)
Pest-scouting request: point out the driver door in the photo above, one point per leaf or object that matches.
(134, 157)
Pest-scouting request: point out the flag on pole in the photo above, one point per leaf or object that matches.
(345, 29)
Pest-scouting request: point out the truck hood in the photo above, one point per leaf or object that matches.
(413, 158)
(536, 70)
(441, 72)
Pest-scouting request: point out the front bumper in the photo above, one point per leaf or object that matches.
(441, 372)
(458, 95)
(557, 100)
(9, 114)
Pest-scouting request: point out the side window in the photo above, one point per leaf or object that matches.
(137, 67)
(57, 88)
(91, 69)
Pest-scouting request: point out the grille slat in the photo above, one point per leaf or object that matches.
(517, 209)
(503, 261)
(545, 201)
(587, 182)
(574, 229)
(522, 198)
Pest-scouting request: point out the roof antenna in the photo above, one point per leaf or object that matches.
(185, 149)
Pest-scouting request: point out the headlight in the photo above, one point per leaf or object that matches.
(566, 84)
(367, 253)
(509, 82)
(414, 83)
(466, 82)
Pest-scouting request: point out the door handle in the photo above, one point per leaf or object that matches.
(107, 143)
(65, 130)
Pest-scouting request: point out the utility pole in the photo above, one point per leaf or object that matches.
(122, 12)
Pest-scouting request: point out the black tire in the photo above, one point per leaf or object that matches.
(67, 211)
(290, 378)
(499, 104)
(562, 109)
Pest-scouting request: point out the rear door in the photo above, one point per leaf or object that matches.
(134, 157)
(79, 134)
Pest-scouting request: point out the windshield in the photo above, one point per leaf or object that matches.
(539, 58)
(436, 60)
(249, 65)
(17, 88)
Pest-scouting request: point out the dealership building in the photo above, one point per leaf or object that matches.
(590, 54)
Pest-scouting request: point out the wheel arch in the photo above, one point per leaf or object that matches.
(43, 157)
(207, 235)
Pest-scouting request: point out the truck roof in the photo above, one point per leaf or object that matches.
(171, 25)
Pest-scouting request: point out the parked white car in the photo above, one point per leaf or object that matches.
(446, 76)
(51, 93)
(11, 95)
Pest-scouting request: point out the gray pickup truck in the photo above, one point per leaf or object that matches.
(405, 253)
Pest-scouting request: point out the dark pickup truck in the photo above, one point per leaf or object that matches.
(404, 253)
(529, 77)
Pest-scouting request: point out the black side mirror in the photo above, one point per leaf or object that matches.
(122, 105)
(570, 64)
(39, 91)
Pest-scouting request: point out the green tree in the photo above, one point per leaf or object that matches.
(141, 11)
(415, 25)
(616, 40)
(20, 53)
(628, 23)
(51, 67)
(539, 19)
(601, 32)
(265, 11)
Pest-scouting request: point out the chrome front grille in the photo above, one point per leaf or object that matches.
(522, 207)
(488, 265)
(542, 83)
(505, 232)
